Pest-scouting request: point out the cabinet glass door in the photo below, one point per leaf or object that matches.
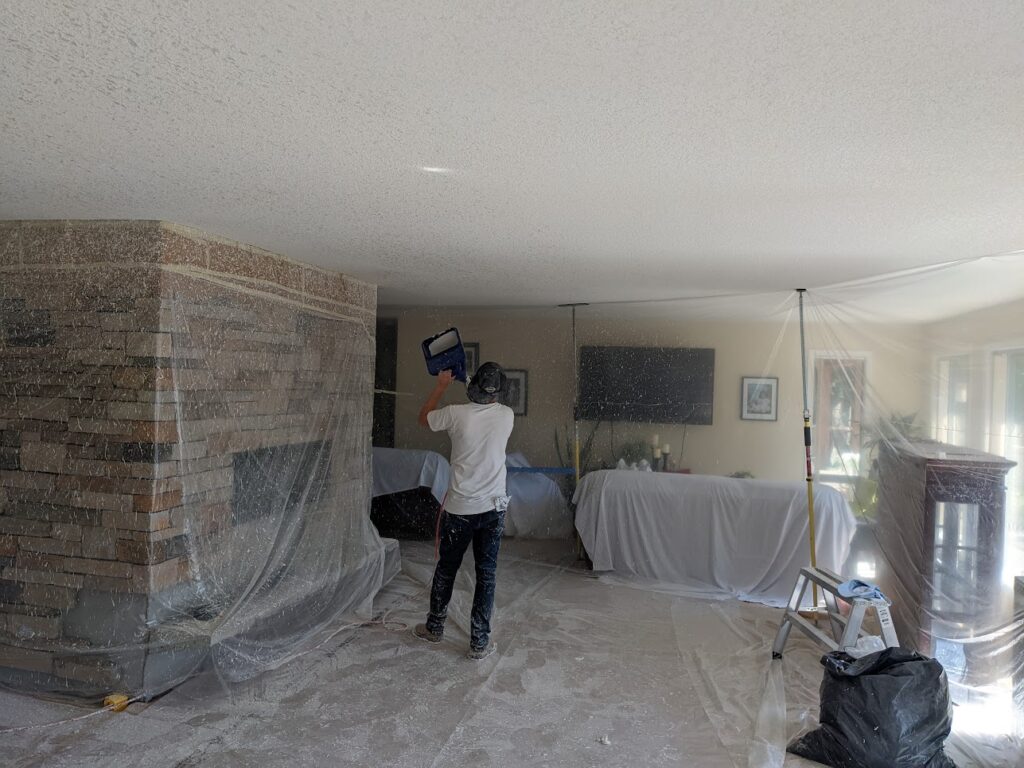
(956, 591)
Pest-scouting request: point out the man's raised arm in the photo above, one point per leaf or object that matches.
(444, 378)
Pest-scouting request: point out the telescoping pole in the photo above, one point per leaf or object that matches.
(575, 393)
(575, 400)
(807, 445)
(575, 408)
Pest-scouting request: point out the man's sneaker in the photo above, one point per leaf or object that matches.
(476, 654)
(421, 631)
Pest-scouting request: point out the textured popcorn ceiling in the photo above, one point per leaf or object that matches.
(619, 150)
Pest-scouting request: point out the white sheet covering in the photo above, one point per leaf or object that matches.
(401, 469)
(538, 509)
(709, 536)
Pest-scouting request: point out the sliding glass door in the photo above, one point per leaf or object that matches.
(1006, 438)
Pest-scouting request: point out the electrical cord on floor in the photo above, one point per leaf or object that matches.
(108, 708)
(395, 626)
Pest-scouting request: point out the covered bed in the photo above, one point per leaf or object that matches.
(399, 469)
(708, 536)
(408, 490)
(409, 487)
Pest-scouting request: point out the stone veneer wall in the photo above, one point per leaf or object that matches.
(137, 361)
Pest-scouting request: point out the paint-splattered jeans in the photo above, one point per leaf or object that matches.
(457, 532)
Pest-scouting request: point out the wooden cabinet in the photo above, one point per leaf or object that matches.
(941, 519)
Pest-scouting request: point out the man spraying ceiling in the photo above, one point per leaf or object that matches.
(473, 511)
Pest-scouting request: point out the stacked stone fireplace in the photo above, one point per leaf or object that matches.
(168, 400)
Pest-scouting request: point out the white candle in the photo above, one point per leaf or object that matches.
(654, 441)
(666, 449)
(657, 453)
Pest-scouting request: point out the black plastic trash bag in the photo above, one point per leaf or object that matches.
(888, 709)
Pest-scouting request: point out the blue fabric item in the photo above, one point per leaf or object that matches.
(857, 588)
(483, 531)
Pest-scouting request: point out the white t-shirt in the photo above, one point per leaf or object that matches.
(479, 435)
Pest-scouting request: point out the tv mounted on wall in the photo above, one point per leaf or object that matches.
(661, 385)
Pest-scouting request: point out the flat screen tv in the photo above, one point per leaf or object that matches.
(661, 385)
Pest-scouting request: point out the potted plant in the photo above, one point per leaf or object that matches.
(897, 428)
(565, 459)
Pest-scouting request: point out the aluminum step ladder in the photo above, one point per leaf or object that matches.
(845, 630)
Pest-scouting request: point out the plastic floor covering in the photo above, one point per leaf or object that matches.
(586, 674)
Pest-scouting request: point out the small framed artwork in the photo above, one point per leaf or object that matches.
(759, 398)
(472, 357)
(514, 394)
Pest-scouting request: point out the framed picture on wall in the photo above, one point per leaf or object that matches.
(514, 394)
(472, 357)
(759, 398)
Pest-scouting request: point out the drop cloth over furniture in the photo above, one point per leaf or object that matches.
(706, 535)
(398, 469)
(537, 509)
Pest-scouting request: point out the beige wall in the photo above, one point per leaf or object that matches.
(978, 335)
(540, 342)
(1002, 325)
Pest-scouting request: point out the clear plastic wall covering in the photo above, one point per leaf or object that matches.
(186, 448)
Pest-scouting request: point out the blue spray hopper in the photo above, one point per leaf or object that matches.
(444, 352)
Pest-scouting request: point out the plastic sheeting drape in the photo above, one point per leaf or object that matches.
(186, 478)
